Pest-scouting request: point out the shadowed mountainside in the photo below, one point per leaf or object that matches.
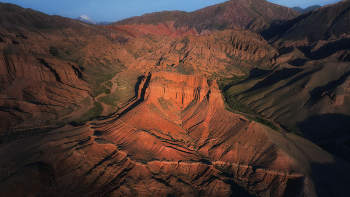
(310, 80)
(315, 25)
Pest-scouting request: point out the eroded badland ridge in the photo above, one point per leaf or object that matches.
(176, 104)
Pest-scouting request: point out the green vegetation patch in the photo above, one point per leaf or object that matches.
(293, 130)
(99, 71)
(231, 101)
(111, 99)
(91, 114)
(109, 84)
(95, 82)
(249, 113)
(230, 81)
(264, 122)
(107, 91)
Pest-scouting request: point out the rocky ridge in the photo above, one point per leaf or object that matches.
(308, 87)
(233, 14)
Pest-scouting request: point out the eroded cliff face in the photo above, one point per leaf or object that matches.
(37, 89)
(49, 68)
(182, 118)
(181, 89)
(176, 138)
(223, 53)
(72, 64)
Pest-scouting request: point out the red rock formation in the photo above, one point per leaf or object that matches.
(223, 53)
(183, 118)
(44, 87)
(49, 67)
(176, 139)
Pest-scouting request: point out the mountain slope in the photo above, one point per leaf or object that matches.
(93, 55)
(233, 14)
(309, 86)
(48, 61)
(175, 138)
(315, 25)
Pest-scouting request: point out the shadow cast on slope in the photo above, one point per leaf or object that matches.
(329, 131)
(317, 93)
(279, 28)
(137, 90)
(330, 174)
(254, 73)
(274, 77)
(331, 179)
(330, 48)
(298, 62)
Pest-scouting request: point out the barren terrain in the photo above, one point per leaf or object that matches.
(243, 98)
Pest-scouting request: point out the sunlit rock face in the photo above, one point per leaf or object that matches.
(175, 138)
(180, 120)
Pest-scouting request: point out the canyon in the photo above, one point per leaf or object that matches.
(242, 98)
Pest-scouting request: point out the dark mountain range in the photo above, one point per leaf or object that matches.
(310, 82)
(176, 103)
(308, 9)
(317, 25)
(254, 15)
(104, 23)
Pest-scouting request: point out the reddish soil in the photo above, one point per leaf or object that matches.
(176, 138)
(164, 29)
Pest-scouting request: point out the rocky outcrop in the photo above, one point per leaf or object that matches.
(177, 138)
(44, 89)
(182, 118)
(224, 53)
(181, 89)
